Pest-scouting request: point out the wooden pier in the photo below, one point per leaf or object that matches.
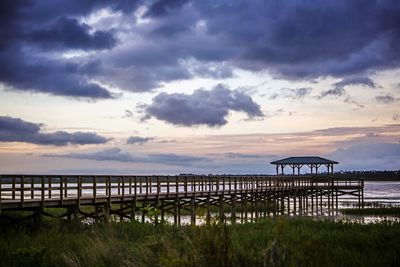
(231, 197)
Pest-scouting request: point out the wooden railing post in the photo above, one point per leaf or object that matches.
(119, 185)
(135, 187)
(94, 188)
(194, 184)
(250, 183)
(147, 186)
(66, 187)
(42, 191)
(140, 185)
(123, 187)
(151, 184)
(263, 183)
(22, 196)
(158, 186)
(167, 185)
(79, 190)
(130, 185)
(362, 192)
(266, 181)
(176, 185)
(257, 182)
(13, 188)
(185, 184)
(1, 181)
(49, 186)
(108, 189)
(32, 187)
(61, 190)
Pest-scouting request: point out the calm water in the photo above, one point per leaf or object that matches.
(382, 191)
(386, 193)
(377, 193)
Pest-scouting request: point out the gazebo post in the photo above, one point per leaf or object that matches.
(314, 163)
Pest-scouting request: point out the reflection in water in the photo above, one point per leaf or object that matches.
(377, 194)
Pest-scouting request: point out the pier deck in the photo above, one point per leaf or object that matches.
(132, 195)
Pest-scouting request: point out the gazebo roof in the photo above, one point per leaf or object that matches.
(303, 160)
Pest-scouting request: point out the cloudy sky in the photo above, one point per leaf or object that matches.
(179, 86)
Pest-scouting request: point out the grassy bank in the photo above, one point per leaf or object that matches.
(373, 211)
(273, 242)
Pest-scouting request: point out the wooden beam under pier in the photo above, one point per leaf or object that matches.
(261, 195)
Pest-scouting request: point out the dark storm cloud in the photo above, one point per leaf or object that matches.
(309, 38)
(181, 40)
(116, 154)
(49, 76)
(18, 126)
(139, 140)
(297, 40)
(46, 10)
(25, 66)
(164, 7)
(17, 130)
(202, 107)
(30, 28)
(69, 33)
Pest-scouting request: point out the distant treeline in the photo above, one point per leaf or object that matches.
(370, 175)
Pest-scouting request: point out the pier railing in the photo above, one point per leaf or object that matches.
(25, 188)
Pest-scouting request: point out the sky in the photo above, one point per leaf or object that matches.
(179, 86)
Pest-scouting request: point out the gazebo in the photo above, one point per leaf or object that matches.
(297, 162)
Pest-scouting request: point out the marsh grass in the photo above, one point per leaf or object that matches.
(271, 242)
(373, 211)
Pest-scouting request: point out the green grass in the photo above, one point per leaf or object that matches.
(373, 211)
(272, 242)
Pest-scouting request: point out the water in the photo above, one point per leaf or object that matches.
(375, 194)
(382, 192)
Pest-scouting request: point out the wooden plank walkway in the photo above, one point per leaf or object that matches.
(170, 194)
